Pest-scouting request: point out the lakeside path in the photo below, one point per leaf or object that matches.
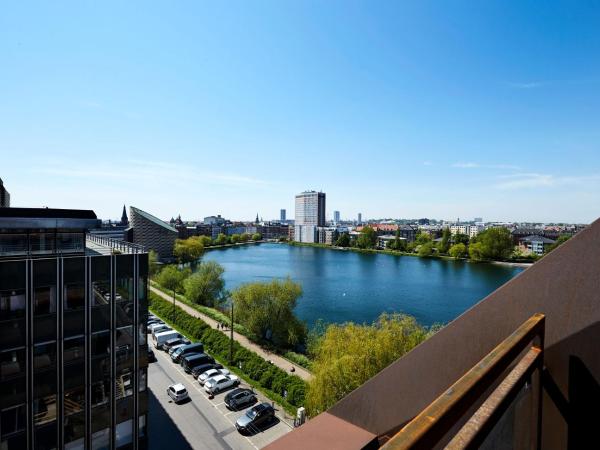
(280, 362)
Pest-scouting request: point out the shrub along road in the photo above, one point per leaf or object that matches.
(277, 360)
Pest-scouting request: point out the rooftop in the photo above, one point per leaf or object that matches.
(152, 218)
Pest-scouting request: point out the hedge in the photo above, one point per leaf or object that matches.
(271, 378)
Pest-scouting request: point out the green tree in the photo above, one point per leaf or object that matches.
(153, 266)
(267, 310)
(188, 250)
(343, 240)
(235, 238)
(444, 245)
(458, 250)
(422, 238)
(476, 251)
(426, 249)
(257, 237)
(206, 241)
(496, 243)
(367, 238)
(171, 278)
(206, 285)
(461, 238)
(347, 355)
(244, 237)
(221, 239)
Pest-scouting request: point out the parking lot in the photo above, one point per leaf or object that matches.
(203, 423)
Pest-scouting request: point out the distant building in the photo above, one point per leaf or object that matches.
(407, 232)
(309, 214)
(478, 219)
(4, 196)
(152, 233)
(465, 228)
(327, 235)
(535, 244)
(359, 218)
(336, 217)
(214, 220)
(124, 218)
(282, 215)
(384, 240)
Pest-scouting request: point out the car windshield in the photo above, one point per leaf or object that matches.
(252, 413)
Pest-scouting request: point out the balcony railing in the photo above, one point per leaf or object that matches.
(525, 348)
(116, 245)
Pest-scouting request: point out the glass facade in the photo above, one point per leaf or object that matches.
(73, 359)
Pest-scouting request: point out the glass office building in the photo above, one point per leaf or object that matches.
(73, 350)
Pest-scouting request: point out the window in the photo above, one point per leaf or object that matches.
(12, 363)
(143, 380)
(73, 349)
(44, 300)
(13, 420)
(124, 433)
(69, 242)
(101, 439)
(44, 355)
(12, 304)
(13, 244)
(74, 296)
(42, 243)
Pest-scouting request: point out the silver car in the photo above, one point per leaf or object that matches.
(178, 392)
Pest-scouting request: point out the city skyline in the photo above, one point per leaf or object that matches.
(394, 110)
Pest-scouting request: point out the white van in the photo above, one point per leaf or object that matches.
(160, 338)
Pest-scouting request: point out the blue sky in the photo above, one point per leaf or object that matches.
(394, 109)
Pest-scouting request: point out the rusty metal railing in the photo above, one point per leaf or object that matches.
(432, 425)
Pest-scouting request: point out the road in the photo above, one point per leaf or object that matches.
(200, 423)
(277, 360)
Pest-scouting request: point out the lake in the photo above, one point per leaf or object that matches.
(342, 286)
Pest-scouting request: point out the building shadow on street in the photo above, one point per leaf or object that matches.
(162, 431)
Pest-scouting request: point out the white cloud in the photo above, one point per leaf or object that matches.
(474, 165)
(148, 171)
(527, 85)
(542, 180)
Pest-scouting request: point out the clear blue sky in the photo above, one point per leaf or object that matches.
(394, 109)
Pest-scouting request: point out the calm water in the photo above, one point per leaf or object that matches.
(347, 286)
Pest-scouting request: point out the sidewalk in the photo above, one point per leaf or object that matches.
(280, 362)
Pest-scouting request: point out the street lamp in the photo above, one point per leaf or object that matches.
(231, 336)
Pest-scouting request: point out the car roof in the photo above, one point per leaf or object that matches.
(164, 333)
(193, 344)
(194, 356)
(178, 386)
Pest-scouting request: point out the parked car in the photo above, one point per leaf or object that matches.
(196, 371)
(190, 361)
(240, 398)
(187, 350)
(160, 338)
(211, 373)
(175, 341)
(178, 392)
(159, 328)
(220, 383)
(175, 347)
(255, 417)
(152, 323)
(151, 355)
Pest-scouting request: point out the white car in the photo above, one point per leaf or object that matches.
(220, 383)
(211, 373)
(177, 392)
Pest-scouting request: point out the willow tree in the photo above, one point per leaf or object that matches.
(267, 310)
(348, 354)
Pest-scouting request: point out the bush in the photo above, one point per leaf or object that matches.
(265, 374)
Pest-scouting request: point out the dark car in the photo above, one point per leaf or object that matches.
(151, 355)
(255, 418)
(175, 341)
(194, 360)
(204, 367)
(178, 354)
(239, 399)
